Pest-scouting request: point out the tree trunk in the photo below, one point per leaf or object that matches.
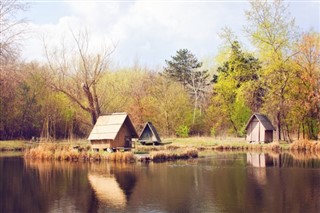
(288, 133)
(96, 100)
(279, 126)
(195, 108)
(167, 122)
(92, 108)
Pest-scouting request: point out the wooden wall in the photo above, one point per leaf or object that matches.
(257, 133)
(101, 144)
(121, 137)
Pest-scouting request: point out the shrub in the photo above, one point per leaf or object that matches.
(213, 132)
(183, 131)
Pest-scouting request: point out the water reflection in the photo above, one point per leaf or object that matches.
(261, 160)
(112, 184)
(60, 184)
(289, 159)
(43, 186)
(224, 182)
(256, 159)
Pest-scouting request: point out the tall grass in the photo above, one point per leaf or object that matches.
(54, 151)
(66, 152)
(305, 145)
(170, 155)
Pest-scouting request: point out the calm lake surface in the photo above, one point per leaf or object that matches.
(223, 182)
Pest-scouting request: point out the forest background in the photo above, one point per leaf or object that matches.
(63, 97)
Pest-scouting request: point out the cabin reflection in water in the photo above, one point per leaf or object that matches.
(263, 159)
(112, 185)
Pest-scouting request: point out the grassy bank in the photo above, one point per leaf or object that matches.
(158, 156)
(172, 148)
(228, 143)
(67, 152)
(21, 145)
(207, 144)
(15, 145)
(64, 152)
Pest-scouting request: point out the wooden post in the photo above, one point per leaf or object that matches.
(259, 132)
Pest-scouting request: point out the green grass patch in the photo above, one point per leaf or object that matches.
(11, 154)
(138, 152)
(14, 145)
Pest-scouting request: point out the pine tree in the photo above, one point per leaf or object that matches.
(184, 68)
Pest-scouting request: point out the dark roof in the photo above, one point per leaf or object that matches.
(264, 120)
(150, 126)
(108, 126)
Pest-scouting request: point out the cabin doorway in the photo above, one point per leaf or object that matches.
(127, 141)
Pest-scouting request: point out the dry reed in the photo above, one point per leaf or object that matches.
(169, 155)
(47, 151)
(305, 145)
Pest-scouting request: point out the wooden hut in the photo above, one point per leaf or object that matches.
(259, 129)
(149, 135)
(113, 131)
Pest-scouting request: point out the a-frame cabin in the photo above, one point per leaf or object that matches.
(149, 135)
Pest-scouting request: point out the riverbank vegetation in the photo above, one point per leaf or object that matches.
(67, 152)
(15, 145)
(62, 97)
(177, 149)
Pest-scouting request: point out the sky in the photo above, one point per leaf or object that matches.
(147, 32)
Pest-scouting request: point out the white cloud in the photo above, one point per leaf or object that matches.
(151, 31)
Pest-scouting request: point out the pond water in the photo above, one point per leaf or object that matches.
(223, 182)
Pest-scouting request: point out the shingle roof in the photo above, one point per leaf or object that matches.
(108, 126)
(150, 126)
(263, 120)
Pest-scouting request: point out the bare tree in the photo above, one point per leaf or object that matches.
(75, 71)
(11, 29)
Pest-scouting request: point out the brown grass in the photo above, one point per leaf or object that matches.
(65, 151)
(305, 145)
(53, 151)
(160, 156)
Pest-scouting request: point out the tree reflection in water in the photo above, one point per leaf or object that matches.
(224, 182)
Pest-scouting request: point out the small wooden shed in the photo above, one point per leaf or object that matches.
(149, 134)
(259, 129)
(113, 131)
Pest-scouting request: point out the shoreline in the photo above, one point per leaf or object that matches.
(187, 148)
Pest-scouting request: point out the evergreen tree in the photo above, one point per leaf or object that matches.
(184, 68)
(236, 92)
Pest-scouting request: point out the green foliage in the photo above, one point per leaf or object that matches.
(283, 83)
(240, 116)
(182, 131)
(231, 103)
(170, 105)
(213, 132)
(273, 33)
(184, 68)
(146, 96)
(181, 67)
